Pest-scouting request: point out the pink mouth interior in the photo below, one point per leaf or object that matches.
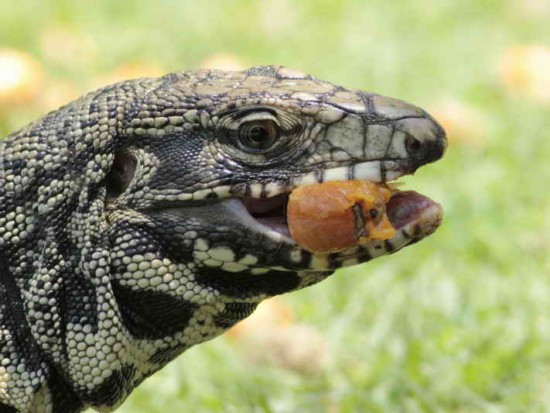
(403, 208)
(270, 212)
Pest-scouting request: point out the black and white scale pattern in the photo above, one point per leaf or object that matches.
(122, 240)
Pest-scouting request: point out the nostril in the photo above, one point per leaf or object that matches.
(412, 145)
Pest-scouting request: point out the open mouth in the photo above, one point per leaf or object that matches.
(270, 212)
(413, 216)
(403, 209)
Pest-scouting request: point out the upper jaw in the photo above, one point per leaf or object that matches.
(383, 170)
(380, 171)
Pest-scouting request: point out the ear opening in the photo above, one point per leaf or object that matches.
(121, 174)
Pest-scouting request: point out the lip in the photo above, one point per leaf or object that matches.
(384, 170)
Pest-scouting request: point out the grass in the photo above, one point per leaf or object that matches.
(457, 323)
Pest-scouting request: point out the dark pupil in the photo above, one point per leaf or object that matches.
(257, 134)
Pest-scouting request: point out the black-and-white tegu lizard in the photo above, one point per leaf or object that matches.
(148, 216)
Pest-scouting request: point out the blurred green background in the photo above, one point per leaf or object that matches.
(457, 323)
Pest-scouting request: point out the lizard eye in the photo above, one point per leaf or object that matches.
(121, 174)
(258, 135)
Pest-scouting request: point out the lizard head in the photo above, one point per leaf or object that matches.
(214, 171)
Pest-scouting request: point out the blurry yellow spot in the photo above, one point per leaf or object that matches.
(277, 17)
(66, 46)
(223, 61)
(269, 314)
(463, 123)
(300, 348)
(525, 71)
(531, 9)
(269, 337)
(58, 93)
(21, 77)
(130, 70)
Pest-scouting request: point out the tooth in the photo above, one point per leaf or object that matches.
(307, 179)
(336, 174)
(184, 197)
(255, 190)
(200, 194)
(368, 171)
(272, 189)
(222, 191)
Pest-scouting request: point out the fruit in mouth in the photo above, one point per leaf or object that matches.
(336, 215)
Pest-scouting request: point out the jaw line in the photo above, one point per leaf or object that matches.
(378, 171)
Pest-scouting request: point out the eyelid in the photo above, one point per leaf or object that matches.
(245, 111)
(231, 120)
(256, 116)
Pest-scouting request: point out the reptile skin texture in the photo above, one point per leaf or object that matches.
(124, 237)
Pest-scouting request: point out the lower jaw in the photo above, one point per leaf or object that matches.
(414, 217)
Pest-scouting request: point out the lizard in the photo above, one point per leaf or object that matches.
(148, 216)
